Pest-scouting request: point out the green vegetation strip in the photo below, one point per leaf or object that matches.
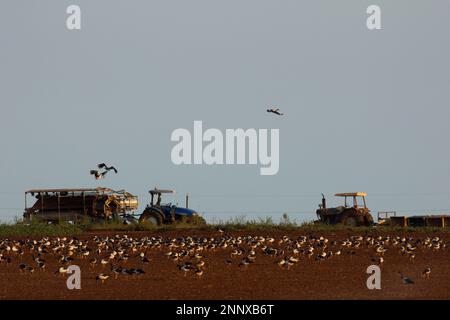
(21, 229)
(38, 229)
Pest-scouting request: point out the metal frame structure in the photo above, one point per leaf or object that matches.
(353, 195)
(97, 192)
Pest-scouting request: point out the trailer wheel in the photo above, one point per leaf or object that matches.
(151, 217)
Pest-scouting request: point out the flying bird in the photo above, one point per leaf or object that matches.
(101, 175)
(276, 111)
(104, 166)
(98, 175)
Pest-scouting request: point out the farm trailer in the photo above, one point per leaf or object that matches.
(390, 218)
(94, 204)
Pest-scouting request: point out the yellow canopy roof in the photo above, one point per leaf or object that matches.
(351, 194)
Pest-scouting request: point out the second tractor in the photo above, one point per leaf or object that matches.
(353, 213)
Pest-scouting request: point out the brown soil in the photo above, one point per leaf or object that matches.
(340, 277)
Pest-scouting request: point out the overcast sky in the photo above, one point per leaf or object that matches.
(364, 110)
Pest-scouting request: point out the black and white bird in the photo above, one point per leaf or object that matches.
(275, 110)
(107, 168)
(426, 273)
(101, 175)
(98, 175)
(102, 277)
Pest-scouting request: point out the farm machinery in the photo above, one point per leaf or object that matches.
(157, 213)
(54, 205)
(103, 204)
(390, 218)
(354, 214)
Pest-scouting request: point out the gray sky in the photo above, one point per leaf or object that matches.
(365, 110)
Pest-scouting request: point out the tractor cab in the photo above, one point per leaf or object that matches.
(354, 196)
(156, 197)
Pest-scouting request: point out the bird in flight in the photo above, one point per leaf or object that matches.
(101, 175)
(104, 166)
(98, 175)
(276, 111)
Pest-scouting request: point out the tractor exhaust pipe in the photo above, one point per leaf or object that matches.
(324, 202)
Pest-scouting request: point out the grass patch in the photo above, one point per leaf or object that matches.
(319, 227)
(240, 223)
(20, 229)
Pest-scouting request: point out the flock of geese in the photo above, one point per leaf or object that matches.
(114, 255)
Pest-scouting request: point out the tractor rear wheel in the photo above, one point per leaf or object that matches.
(151, 217)
(350, 219)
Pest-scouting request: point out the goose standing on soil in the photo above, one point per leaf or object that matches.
(30, 269)
(41, 265)
(104, 262)
(185, 268)
(199, 272)
(116, 271)
(379, 261)
(144, 259)
(5, 259)
(381, 250)
(62, 270)
(426, 273)
(102, 277)
(405, 279)
(92, 262)
(287, 262)
(22, 267)
(245, 262)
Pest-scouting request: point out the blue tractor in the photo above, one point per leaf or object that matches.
(159, 214)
